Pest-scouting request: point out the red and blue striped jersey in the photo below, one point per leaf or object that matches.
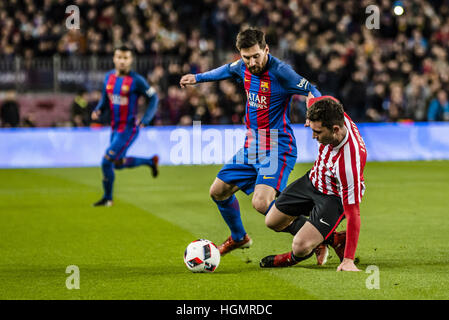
(122, 93)
(268, 99)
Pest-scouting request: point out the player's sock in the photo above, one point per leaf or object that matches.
(108, 178)
(282, 260)
(299, 259)
(269, 207)
(131, 162)
(230, 211)
(297, 224)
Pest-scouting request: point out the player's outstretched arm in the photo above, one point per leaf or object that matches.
(226, 71)
(188, 79)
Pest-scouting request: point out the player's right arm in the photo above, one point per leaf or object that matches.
(221, 73)
(102, 103)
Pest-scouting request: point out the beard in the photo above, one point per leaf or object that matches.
(123, 70)
(255, 70)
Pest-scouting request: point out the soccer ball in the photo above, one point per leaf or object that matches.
(202, 256)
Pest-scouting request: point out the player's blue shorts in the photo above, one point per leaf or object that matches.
(248, 173)
(120, 143)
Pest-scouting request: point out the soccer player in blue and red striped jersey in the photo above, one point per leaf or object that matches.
(264, 163)
(121, 90)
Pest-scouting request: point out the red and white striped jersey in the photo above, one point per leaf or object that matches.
(339, 170)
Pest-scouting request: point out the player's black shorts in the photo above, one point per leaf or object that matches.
(301, 198)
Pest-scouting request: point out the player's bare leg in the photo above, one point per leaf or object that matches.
(220, 190)
(222, 194)
(281, 222)
(277, 220)
(304, 242)
(263, 197)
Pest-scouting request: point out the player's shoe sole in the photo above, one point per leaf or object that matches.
(155, 166)
(103, 203)
(230, 244)
(322, 253)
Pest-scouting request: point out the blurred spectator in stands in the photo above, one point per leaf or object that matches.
(417, 93)
(9, 110)
(354, 96)
(375, 109)
(395, 103)
(325, 41)
(80, 111)
(439, 108)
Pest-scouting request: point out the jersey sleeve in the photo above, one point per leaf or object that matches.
(146, 90)
(293, 83)
(102, 104)
(227, 71)
(352, 214)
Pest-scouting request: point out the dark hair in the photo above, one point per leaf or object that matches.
(123, 48)
(249, 38)
(328, 111)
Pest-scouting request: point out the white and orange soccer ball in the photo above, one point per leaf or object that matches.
(202, 256)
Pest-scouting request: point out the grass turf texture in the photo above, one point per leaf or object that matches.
(134, 250)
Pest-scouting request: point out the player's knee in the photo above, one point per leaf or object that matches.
(106, 161)
(270, 223)
(261, 204)
(302, 247)
(217, 193)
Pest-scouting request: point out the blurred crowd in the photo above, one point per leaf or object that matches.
(397, 72)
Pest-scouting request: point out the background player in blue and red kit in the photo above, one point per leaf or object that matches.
(269, 154)
(121, 90)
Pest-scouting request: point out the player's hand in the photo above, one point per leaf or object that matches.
(95, 115)
(309, 96)
(347, 265)
(187, 79)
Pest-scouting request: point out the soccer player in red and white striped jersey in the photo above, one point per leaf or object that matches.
(330, 191)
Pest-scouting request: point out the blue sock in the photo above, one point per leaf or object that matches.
(230, 211)
(131, 162)
(269, 207)
(108, 178)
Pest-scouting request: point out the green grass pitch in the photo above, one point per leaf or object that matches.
(134, 250)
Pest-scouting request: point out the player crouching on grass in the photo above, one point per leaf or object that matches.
(330, 191)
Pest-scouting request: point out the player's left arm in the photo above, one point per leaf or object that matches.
(352, 214)
(145, 89)
(351, 184)
(296, 84)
